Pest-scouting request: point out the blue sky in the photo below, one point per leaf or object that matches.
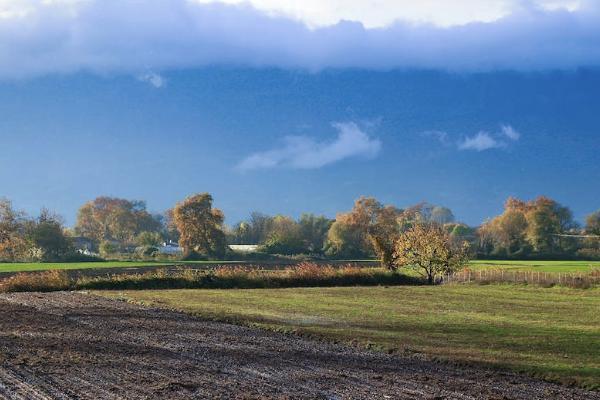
(306, 114)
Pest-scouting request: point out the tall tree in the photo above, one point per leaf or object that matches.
(348, 235)
(47, 238)
(527, 226)
(441, 215)
(109, 218)
(284, 237)
(13, 246)
(592, 223)
(313, 230)
(260, 227)
(546, 218)
(200, 226)
(368, 228)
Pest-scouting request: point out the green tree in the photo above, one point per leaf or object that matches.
(149, 239)
(261, 226)
(46, 237)
(313, 231)
(200, 226)
(284, 237)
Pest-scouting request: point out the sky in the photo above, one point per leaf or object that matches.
(290, 107)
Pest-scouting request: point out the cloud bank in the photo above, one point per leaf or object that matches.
(303, 152)
(486, 141)
(40, 37)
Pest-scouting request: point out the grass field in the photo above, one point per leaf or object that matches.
(552, 333)
(27, 267)
(540, 266)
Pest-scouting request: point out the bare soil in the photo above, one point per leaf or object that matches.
(79, 346)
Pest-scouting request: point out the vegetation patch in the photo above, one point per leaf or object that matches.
(302, 275)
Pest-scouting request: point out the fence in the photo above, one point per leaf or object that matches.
(574, 279)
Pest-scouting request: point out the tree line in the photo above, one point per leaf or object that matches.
(539, 228)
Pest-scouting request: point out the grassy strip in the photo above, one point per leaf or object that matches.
(536, 266)
(552, 333)
(31, 267)
(539, 266)
(301, 275)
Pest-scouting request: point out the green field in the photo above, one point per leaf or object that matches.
(548, 332)
(540, 266)
(27, 267)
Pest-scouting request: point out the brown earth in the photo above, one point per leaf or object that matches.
(79, 346)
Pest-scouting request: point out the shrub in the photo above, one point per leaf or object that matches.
(37, 282)
(284, 244)
(146, 251)
(589, 254)
(107, 248)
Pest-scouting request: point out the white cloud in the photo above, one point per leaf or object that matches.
(380, 13)
(153, 79)
(480, 142)
(304, 152)
(40, 37)
(510, 132)
(485, 141)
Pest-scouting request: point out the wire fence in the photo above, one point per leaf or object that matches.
(572, 279)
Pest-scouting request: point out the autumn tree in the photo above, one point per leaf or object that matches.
(114, 219)
(200, 226)
(429, 249)
(170, 229)
(23, 238)
(528, 227)
(506, 233)
(368, 228)
(546, 219)
(591, 244)
(13, 246)
(592, 223)
(383, 231)
(348, 235)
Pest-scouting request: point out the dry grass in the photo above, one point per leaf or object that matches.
(46, 281)
(305, 274)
